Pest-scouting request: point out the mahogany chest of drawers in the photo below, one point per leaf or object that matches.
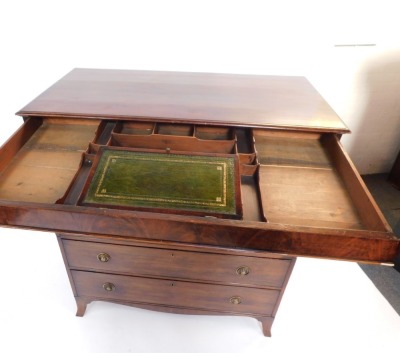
(176, 278)
(188, 193)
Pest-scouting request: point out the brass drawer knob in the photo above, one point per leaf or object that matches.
(235, 300)
(103, 257)
(109, 287)
(243, 270)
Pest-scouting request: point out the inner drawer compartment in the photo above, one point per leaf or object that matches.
(176, 137)
(136, 128)
(306, 179)
(174, 129)
(214, 133)
(291, 149)
(45, 158)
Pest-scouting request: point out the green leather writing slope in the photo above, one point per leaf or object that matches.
(171, 182)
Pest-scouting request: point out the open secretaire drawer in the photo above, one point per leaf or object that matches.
(295, 192)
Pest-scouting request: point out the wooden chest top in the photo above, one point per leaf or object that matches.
(258, 101)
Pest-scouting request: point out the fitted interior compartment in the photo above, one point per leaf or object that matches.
(136, 128)
(44, 161)
(286, 177)
(145, 136)
(246, 151)
(306, 180)
(291, 149)
(308, 197)
(175, 137)
(104, 131)
(214, 133)
(174, 129)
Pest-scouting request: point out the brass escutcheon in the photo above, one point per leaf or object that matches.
(243, 270)
(235, 300)
(109, 287)
(103, 257)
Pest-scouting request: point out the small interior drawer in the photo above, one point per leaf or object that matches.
(228, 269)
(175, 293)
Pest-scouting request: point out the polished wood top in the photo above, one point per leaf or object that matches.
(249, 100)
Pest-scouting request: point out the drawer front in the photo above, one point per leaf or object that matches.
(175, 293)
(231, 269)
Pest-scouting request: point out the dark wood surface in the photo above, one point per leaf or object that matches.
(176, 278)
(176, 293)
(173, 263)
(358, 245)
(224, 99)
